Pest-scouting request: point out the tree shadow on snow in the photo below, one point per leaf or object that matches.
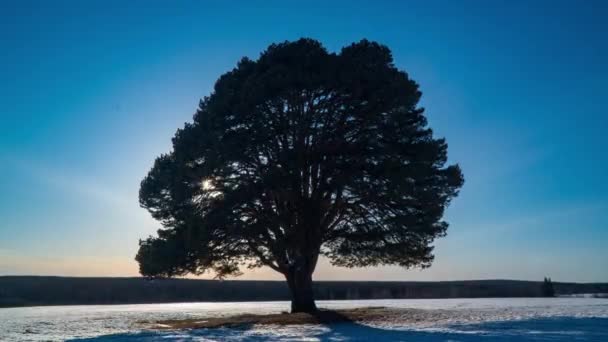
(548, 330)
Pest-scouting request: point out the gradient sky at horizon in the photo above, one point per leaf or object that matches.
(92, 91)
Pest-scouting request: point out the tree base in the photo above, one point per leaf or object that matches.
(308, 306)
(302, 294)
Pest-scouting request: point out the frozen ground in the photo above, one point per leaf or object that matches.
(504, 319)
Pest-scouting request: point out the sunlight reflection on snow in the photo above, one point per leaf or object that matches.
(527, 319)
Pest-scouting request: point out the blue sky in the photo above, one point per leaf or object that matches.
(92, 91)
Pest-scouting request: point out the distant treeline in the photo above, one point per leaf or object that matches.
(32, 291)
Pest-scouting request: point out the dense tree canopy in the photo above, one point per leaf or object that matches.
(298, 154)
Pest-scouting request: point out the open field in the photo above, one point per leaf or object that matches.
(481, 319)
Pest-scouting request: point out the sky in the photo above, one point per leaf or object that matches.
(91, 92)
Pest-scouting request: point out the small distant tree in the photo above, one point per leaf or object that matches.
(548, 290)
(299, 154)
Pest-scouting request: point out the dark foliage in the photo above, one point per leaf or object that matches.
(547, 289)
(299, 154)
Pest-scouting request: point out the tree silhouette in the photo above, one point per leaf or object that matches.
(298, 154)
(547, 288)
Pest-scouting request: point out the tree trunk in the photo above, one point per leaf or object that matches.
(300, 285)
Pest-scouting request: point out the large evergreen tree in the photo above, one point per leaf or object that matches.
(298, 154)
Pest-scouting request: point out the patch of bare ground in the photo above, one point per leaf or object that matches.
(367, 315)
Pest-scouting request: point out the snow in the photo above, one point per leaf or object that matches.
(537, 330)
(502, 319)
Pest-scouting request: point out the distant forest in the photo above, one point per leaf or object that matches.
(34, 291)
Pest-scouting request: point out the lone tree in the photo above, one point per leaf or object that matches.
(298, 154)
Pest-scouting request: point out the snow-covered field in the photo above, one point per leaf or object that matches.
(503, 319)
